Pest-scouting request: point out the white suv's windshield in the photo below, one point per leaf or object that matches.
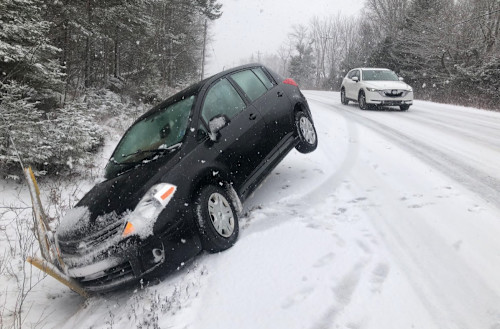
(379, 75)
(157, 132)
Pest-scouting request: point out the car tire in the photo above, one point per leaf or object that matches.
(404, 107)
(308, 139)
(343, 99)
(217, 220)
(362, 101)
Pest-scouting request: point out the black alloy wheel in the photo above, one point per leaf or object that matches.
(362, 101)
(343, 99)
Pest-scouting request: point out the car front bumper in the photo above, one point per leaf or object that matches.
(389, 98)
(122, 262)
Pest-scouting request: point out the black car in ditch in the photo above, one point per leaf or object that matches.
(177, 179)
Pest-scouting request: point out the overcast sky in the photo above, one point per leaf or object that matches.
(249, 26)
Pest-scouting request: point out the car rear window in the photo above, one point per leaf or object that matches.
(250, 84)
(263, 77)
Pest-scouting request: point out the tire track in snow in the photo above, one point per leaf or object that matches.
(486, 186)
(331, 183)
(453, 291)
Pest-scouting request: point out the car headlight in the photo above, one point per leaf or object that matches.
(141, 221)
(371, 89)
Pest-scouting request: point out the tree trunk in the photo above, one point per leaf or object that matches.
(87, 47)
(116, 72)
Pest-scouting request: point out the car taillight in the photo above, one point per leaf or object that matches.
(290, 82)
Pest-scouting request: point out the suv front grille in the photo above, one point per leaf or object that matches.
(394, 93)
(92, 241)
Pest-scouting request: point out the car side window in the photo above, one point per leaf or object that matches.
(222, 98)
(250, 84)
(350, 74)
(263, 77)
(356, 74)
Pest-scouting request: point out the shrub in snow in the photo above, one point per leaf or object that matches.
(103, 103)
(44, 140)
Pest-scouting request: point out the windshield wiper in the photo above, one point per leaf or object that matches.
(154, 151)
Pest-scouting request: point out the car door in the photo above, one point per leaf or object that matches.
(270, 100)
(351, 86)
(238, 146)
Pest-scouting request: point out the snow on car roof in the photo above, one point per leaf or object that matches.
(373, 68)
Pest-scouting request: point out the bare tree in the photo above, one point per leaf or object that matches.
(285, 53)
(387, 15)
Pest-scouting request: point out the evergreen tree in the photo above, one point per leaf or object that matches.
(302, 67)
(26, 55)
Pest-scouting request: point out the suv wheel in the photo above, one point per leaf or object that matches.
(362, 101)
(404, 107)
(343, 99)
(308, 140)
(216, 218)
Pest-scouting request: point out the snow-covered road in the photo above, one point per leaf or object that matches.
(432, 178)
(393, 222)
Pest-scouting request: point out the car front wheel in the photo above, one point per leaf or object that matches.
(308, 140)
(404, 107)
(216, 218)
(362, 101)
(343, 99)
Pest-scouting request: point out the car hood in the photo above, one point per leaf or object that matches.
(108, 201)
(387, 85)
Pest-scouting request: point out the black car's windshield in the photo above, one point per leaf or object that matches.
(379, 75)
(160, 131)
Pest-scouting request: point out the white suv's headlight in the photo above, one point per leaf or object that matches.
(141, 221)
(371, 89)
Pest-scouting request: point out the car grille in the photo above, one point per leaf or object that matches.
(394, 93)
(111, 276)
(91, 242)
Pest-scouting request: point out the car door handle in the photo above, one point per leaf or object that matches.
(252, 116)
(280, 94)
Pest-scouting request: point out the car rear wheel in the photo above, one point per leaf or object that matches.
(362, 101)
(216, 218)
(308, 140)
(343, 99)
(404, 107)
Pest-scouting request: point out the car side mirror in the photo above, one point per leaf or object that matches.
(216, 124)
(400, 78)
(355, 79)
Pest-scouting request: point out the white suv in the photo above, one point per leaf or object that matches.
(372, 87)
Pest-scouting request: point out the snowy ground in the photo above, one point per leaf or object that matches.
(392, 223)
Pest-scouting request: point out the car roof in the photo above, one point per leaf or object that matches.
(196, 88)
(371, 68)
(219, 75)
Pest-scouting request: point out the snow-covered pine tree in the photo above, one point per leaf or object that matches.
(44, 134)
(26, 55)
(302, 66)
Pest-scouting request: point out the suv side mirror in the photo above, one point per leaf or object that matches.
(400, 78)
(215, 124)
(355, 79)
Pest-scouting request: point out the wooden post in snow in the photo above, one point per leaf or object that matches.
(51, 263)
